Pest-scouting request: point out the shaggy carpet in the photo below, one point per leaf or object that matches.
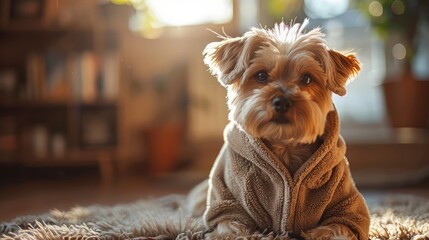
(393, 217)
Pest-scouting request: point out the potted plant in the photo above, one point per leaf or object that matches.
(403, 26)
(166, 136)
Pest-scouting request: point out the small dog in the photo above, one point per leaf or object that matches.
(282, 168)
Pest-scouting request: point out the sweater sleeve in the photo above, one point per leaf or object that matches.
(222, 204)
(349, 208)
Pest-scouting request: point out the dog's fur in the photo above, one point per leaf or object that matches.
(298, 67)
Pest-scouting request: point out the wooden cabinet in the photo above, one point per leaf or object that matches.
(58, 93)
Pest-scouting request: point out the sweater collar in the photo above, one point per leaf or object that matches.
(328, 155)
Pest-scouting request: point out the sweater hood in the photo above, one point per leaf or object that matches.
(315, 171)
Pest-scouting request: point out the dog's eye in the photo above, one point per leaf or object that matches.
(306, 79)
(262, 76)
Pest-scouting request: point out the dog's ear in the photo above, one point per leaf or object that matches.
(222, 58)
(344, 67)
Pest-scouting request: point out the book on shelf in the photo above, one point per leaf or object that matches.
(56, 77)
(35, 74)
(83, 76)
(110, 75)
(97, 76)
(88, 76)
(47, 77)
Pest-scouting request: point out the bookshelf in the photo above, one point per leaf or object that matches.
(58, 92)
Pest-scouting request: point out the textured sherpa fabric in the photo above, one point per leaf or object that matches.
(250, 185)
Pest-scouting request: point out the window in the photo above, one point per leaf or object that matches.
(152, 15)
(190, 12)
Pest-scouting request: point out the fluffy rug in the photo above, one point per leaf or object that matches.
(393, 217)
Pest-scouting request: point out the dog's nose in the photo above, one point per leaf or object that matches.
(281, 104)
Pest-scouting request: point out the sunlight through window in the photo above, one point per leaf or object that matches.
(191, 12)
(152, 15)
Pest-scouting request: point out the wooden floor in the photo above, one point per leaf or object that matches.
(38, 194)
(37, 191)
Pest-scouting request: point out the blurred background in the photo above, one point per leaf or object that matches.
(109, 101)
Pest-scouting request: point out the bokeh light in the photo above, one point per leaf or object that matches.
(398, 7)
(399, 52)
(375, 9)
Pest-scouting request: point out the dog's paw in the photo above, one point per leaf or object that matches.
(310, 236)
(330, 232)
(228, 230)
(214, 235)
(293, 236)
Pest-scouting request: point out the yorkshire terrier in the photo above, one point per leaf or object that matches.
(282, 168)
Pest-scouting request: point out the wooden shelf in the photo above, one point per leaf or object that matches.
(26, 104)
(31, 116)
(72, 157)
(105, 159)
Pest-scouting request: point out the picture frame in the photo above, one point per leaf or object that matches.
(98, 126)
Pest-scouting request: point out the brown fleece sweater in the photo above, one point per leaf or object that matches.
(249, 184)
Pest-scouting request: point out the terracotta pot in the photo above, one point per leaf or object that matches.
(407, 101)
(165, 144)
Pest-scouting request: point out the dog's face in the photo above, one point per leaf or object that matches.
(280, 81)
